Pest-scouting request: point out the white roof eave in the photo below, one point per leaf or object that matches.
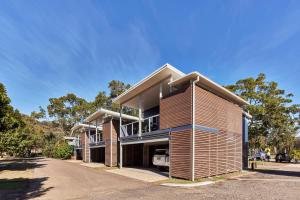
(212, 84)
(102, 112)
(118, 98)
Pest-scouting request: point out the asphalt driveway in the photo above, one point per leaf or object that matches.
(66, 180)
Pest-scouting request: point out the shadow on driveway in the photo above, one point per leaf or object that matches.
(20, 164)
(21, 188)
(279, 172)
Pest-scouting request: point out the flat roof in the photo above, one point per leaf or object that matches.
(104, 112)
(158, 75)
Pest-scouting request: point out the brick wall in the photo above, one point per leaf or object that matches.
(85, 147)
(110, 130)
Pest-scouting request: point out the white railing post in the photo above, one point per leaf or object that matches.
(96, 130)
(140, 115)
(149, 128)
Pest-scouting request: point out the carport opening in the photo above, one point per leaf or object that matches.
(98, 155)
(78, 154)
(141, 156)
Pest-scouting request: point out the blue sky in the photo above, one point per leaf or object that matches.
(50, 48)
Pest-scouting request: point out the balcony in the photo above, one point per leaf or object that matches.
(78, 143)
(149, 125)
(96, 141)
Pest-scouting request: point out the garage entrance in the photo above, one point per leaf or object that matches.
(141, 155)
(97, 154)
(78, 154)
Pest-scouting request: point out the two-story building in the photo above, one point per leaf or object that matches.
(97, 137)
(201, 123)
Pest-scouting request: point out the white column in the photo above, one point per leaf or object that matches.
(121, 156)
(170, 87)
(96, 130)
(120, 133)
(89, 142)
(160, 90)
(111, 127)
(140, 115)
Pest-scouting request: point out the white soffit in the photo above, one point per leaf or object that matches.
(158, 75)
(78, 126)
(212, 85)
(101, 113)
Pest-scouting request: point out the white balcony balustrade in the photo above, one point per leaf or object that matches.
(149, 125)
(94, 139)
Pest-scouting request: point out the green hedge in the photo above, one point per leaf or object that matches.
(60, 150)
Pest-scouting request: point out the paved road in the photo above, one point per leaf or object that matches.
(65, 180)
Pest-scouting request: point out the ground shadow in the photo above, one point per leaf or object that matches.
(22, 188)
(21, 164)
(279, 172)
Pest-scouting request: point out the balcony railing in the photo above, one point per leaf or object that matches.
(94, 139)
(78, 143)
(148, 125)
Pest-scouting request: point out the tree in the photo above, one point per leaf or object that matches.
(10, 121)
(68, 110)
(39, 115)
(101, 101)
(274, 117)
(9, 118)
(117, 87)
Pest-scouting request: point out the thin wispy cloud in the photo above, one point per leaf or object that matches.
(50, 48)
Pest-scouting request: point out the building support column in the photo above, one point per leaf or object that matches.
(111, 141)
(193, 84)
(170, 86)
(160, 90)
(96, 130)
(121, 156)
(88, 143)
(140, 115)
(120, 143)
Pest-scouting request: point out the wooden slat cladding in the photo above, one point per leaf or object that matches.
(176, 110)
(221, 152)
(217, 153)
(181, 154)
(216, 112)
(110, 135)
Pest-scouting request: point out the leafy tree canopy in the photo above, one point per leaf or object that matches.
(275, 118)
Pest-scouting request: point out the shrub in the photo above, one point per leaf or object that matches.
(296, 154)
(62, 150)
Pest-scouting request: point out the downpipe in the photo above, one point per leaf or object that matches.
(193, 127)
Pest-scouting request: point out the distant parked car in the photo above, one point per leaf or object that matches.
(260, 156)
(282, 157)
(161, 158)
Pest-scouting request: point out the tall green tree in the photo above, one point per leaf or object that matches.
(101, 101)
(274, 119)
(68, 110)
(117, 87)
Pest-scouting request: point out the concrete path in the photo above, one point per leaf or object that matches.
(146, 175)
(66, 180)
